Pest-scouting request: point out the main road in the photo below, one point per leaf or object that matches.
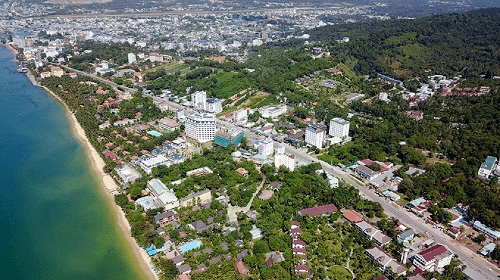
(113, 84)
(471, 259)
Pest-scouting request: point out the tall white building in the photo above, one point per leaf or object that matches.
(199, 100)
(131, 58)
(265, 147)
(315, 135)
(214, 105)
(339, 128)
(200, 127)
(286, 160)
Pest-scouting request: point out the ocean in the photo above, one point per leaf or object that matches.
(55, 219)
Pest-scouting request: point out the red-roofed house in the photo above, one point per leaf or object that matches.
(295, 233)
(352, 216)
(384, 261)
(302, 269)
(433, 258)
(110, 155)
(299, 244)
(241, 268)
(318, 210)
(367, 161)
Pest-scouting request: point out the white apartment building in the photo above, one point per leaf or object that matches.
(272, 111)
(214, 105)
(339, 128)
(199, 100)
(286, 160)
(131, 58)
(240, 116)
(148, 164)
(433, 258)
(315, 135)
(265, 147)
(200, 127)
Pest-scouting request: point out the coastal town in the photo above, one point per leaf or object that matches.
(221, 171)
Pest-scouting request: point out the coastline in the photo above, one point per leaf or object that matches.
(106, 182)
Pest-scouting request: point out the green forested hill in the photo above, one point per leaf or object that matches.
(446, 43)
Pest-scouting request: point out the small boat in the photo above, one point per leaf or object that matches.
(22, 70)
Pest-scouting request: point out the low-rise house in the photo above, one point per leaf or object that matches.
(385, 262)
(487, 167)
(151, 162)
(301, 269)
(178, 260)
(352, 216)
(147, 202)
(184, 269)
(167, 217)
(365, 172)
(256, 233)
(241, 268)
(406, 235)
(318, 210)
(373, 233)
(242, 254)
(298, 244)
(266, 194)
(197, 198)
(275, 186)
(486, 230)
(274, 257)
(488, 249)
(433, 258)
(127, 174)
(200, 226)
(243, 172)
(199, 172)
(110, 155)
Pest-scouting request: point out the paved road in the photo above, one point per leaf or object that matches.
(114, 85)
(469, 258)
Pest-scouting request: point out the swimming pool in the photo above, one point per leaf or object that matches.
(190, 246)
(154, 133)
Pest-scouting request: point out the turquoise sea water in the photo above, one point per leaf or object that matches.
(55, 222)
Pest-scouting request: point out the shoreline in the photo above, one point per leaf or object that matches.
(106, 182)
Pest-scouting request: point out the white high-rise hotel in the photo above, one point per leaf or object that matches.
(339, 128)
(315, 135)
(200, 127)
(199, 100)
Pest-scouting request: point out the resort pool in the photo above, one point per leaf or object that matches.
(190, 246)
(154, 133)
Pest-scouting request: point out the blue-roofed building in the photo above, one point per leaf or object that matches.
(488, 249)
(145, 157)
(157, 186)
(487, 167)
(226, 137)
(176, 158)
(494, 234)
(157, 152)
(147, 202)
(151, 250)
(168, 149)
(387, 78)
(256, 233)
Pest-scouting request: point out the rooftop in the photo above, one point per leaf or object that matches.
(319, 210)
(432, 252)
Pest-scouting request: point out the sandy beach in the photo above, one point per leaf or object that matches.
(106, 181)
(109, 185)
